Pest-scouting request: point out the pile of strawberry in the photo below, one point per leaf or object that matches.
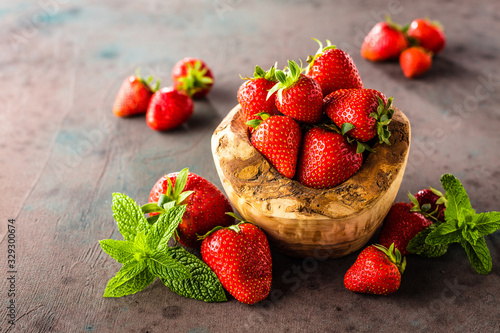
(169, 107)
(413, 44)
(314, 125)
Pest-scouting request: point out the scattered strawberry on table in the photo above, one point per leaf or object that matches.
(206, 205)
(134, 95)
(169, 107)
(241, 258)
(377, 270)
(414, 44)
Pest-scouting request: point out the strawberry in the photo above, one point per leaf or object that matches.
(278, 139)
(134, 95)
(377, 270)
(326, 159)
(401, 225)
(298, 96)
(362, 113)
(206, 204)
(385, 41)
(428, 34)
(333, 69)
(429, 202)
(240, 257)
(193, 76)
(168, 108)
(415, 61)
(252, 94)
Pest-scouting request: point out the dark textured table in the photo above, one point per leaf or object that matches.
(63, 154)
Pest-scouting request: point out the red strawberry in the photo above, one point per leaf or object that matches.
(429, 202)
(252, 94)
(385, 41)
(326, 159)
(133, 96)
(168, 108)
(333, 69)
(193, 76)
(401, 225)
(415, 61)
(278, 139)
(298, 96)
(377, 270)
(241, 258)
(362, 113)
(428, 34)
(206, 204)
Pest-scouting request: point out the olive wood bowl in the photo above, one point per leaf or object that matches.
(301, 221)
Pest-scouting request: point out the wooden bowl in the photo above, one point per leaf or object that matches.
(302, 221)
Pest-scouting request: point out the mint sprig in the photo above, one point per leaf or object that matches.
(462, 225)
(144, 253)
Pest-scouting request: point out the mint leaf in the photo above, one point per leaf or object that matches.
(203, 284)
(165, 227)
(128, 216)
(458, 200)
(163, 265)
(486, 223)
(445, 233)
(120, 250)
(479, 255)
(131, 278)
(418, 245)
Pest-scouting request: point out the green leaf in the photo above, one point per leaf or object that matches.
(259, 72)
(128, 216)
(479, 255)
(164, 228)
(180, 182)
(161, 264)
(121, 250)
(446, 233)
(417, 244)
(458, 200)
(183, 196)
(152, 208)
(203, 284)
(486, 223)
(131, 278)
(346, 127)
(280, 75)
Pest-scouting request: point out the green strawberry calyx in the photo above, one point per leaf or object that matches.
(148, 82)
(286, 79)
(259, 73)
(393, 255)
(425, 208)
(196, 78)
(311, 58)
(234, 227)
(254, 123)
(383, 117)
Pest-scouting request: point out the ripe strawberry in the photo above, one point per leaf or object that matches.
(430, 202)
(168, 108)
(193, 76)
(134, 95)
(326, 159)
(401, 225)
(278, 139)
(333, 69)
(429, 35)
(415, 61)
(252, 94)
(241, 258)
(298, 96)
(385, 41)
(206, 204)
(362, 113)
(377, 270)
